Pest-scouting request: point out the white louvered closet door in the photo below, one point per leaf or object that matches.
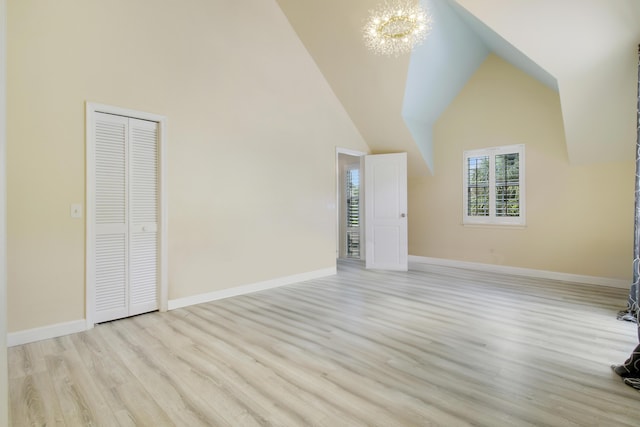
(143, 220)
(126, 216)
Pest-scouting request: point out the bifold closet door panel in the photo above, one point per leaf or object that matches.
(111, 217)
(143, 229)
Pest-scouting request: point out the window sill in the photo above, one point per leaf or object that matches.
(495, 226)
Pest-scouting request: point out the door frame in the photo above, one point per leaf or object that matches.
(163, 289)
(361, 155)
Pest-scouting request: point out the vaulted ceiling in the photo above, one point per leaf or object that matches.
(584, 49)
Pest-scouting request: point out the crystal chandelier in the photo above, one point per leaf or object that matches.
(395, 27)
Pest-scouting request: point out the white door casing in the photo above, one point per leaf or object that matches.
(386, 211)
(126, 213)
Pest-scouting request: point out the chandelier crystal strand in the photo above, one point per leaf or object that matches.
(396, 27)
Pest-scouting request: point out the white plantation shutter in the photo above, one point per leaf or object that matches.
(144, 216)
(111, 217)
(353, 213)
(494, 186)
(126, 216)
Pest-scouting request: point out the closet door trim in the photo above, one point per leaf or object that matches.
(90, 185)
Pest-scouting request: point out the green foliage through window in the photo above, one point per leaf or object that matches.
(508, 185)
(478, 186)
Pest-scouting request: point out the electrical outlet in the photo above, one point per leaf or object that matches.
(76, 210)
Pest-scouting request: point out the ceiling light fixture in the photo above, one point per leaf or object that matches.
(396, 27)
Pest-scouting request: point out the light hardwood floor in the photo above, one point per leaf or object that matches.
(446, 347)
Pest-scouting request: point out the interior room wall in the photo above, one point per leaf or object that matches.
(252, 124)
(579, 218)
(4, 377)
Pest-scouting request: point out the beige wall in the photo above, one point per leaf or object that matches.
(4, 394)
(579, 219)
(253, 128)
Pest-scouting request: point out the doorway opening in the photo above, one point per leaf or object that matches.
(353, 212)
(350, 207)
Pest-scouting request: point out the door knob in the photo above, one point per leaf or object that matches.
(402, 215)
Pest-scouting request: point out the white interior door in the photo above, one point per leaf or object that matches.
(126, 217)
(386, 211)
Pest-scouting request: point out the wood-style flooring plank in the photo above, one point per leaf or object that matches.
(127, 399)
(445, 347)
(81, 402)
(174, 396)
(34, 396)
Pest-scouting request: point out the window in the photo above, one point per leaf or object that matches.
(494, 186)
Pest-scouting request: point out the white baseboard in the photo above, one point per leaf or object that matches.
(247, 289)
(420, 264)
(415, 263)
(45, 332)
(66, 328)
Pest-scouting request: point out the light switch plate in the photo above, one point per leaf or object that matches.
(76, 210)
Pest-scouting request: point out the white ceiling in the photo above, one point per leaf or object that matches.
(584, 49)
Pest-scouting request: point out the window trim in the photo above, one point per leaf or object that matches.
(492, 219)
